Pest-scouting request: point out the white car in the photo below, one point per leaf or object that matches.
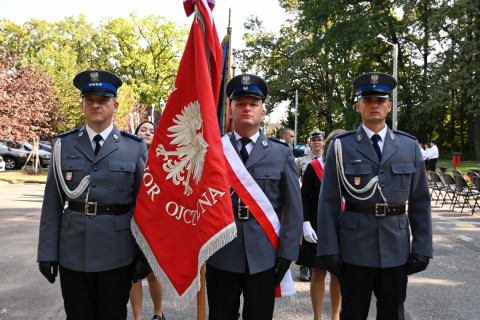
(2, 164)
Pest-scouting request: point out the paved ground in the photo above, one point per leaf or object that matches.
(448, 289)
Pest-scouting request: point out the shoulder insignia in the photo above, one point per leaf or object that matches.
(406, 134)
(281, 141)
(128, 134)
(345, 134)
(63, 134)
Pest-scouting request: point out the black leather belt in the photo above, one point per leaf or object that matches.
(378, 209)
(94, 208)
(243, 211)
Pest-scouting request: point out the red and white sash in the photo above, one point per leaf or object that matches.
(318, 165)
(261, 208)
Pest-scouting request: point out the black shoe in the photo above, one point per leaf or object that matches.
(156, 317)
(304, 274)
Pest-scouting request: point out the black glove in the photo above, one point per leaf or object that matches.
(140, 268)
(333, 264)
(49, 269)
(416, 263)
(281, 267)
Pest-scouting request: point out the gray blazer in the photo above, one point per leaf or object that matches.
(104, 242)
(272, 165)
(363, 239)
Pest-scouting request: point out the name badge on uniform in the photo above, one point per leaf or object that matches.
(69, 176)
(357, 181)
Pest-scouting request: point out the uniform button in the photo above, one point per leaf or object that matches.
(95, 169)
(267, 174)
(94, 185)
(356, 171)
(383, 186)
(381, 171)
(122, 167)
(403, 170)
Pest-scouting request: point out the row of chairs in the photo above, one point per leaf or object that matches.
(454, 189)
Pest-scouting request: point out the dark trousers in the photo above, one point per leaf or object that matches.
(96, 295)
(388, 284)
(224, 289)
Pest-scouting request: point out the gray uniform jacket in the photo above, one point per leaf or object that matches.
(363, 239)
(103, 242)
(272, 165)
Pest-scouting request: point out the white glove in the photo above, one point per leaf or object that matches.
(308, 233)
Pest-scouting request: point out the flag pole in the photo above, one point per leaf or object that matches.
(201, 295)
(226, 104)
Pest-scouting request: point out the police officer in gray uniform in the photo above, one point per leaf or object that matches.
(88, 204)
(249, 264)
(381, 175)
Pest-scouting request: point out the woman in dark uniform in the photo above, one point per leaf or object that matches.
(308, 250)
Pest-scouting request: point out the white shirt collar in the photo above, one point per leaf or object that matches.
(382, 133)
(249, 146)
(91, 133)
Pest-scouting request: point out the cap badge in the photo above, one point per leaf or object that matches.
(392, 136)
(359, 137)
(264, 144)
(94, 77)
(246, 80)
(374, 79)
(115, 136)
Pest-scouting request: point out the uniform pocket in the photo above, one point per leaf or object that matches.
(402, 175)
(357, 173)
(122, 173)
(268, 179)
(73, 171)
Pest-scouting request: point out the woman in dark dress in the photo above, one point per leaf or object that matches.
(308, 251)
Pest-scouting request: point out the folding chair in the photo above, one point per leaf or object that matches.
(436, 187)
(472, 174)
(464, 191)
(457, 172)
(450, 189)
(476, 183)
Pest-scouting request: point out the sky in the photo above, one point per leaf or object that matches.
(269, 11)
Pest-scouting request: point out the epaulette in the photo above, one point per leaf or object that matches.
(405, 134)
(128, 134)
(279, 141)
(344, 134)
(63, 134)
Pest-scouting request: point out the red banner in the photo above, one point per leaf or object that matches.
(183, 212)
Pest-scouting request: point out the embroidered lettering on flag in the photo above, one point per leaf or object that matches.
(183, 211)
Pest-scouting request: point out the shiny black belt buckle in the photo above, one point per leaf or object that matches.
(381, 210)
(91, 208)
(243, 211)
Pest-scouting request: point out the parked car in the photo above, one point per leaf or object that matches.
(46, 142)
(45, 147)
(2, 164)
(12, 157)
(299, 150)
(43, 155)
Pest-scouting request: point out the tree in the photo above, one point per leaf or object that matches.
(28, 103)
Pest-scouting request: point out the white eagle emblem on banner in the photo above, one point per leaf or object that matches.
(189, 156)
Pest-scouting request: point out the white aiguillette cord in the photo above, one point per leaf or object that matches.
(73, 194)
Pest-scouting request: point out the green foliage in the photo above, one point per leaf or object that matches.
(144, 52)
(326, 44)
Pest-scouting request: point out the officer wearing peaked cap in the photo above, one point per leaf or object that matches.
(90, 194)
(376, 170)
(250, 265)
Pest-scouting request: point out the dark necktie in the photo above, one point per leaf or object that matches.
(375, 138)
(243, 151)
(97, 139)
